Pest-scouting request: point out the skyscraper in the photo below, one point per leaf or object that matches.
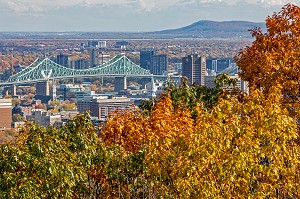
(194, 68)
(79, 64)
(159, 64)
(62, 59)
(94, 57)
(145, 58)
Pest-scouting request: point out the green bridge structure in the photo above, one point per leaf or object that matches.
(44, 70)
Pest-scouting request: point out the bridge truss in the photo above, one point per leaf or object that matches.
(45, 69)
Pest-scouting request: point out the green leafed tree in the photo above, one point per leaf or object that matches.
(50, 163)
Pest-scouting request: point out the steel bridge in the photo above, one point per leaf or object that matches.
(43, 69)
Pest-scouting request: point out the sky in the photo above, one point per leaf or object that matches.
(127, 15)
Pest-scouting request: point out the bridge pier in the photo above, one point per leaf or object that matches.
(120, 83)
(42, 88)
(10, 90)
(13, 90)
(5, 91)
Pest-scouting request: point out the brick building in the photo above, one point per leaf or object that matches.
(5, 113)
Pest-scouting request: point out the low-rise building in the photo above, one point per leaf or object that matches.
(155, 88)
(102, 107)
(43, 118)
(66, 91)
(240, 84)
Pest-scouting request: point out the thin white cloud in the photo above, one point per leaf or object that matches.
(145, 6)
(233, 2)
(273, 2)
(20, 8)
(127, 15)
(142, 5)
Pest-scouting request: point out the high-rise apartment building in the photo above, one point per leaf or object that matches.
(62, 59)
(159, 64)
(79, 64)
(94, 57)
(194, 68)
(146, 58)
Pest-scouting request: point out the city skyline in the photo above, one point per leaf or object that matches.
(127, 15)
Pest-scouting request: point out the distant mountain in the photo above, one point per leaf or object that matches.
(214, 29)
(200, 29)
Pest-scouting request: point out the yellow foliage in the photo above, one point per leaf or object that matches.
(125, 129)
(68, 107)
(242, 148)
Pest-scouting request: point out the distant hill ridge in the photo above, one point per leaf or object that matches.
(209, 29)
(200, 29)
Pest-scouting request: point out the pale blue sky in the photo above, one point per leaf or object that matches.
(127, 15)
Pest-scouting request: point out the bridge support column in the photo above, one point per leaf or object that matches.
(13, 90)
(6, 91)
(42, 88)
(120, 83)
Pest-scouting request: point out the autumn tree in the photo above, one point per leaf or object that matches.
(224, 81)
(273, 58)
(55, 103)
(51, 163)
(68, 162)
(68, 107)
(243, 147)
(17, 118)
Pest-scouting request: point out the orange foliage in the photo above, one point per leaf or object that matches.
(125, 129)
(273, 58)
(238, 149)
